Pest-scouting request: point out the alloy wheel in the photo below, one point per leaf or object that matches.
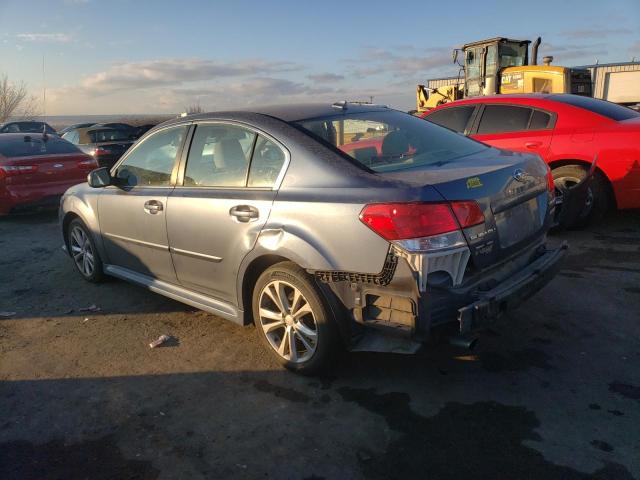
(82, 251)
(288, 321)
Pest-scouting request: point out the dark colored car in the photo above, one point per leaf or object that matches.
(261, 217)
(35, 170)
(27, 127)
(142, 129)
(74, 126)
(105, 144)
(568, 132)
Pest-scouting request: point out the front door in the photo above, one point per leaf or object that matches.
(215, 216)
(133, 216)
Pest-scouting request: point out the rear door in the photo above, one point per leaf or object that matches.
(514, 127)
(133, 218)
(223, 199)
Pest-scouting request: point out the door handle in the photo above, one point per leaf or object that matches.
(153, 206)
(533, 144)
(244, 213)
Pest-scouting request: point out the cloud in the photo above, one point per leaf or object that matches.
(596, 32)
(154, 73)
(325, 77)
(45, 37)
(581, 52)
(400, 62)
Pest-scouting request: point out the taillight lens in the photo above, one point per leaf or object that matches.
(96, 152)
(401, 221)
(12, 170)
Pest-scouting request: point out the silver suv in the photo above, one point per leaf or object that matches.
(324, 225)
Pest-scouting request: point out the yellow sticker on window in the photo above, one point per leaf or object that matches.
(474, 182)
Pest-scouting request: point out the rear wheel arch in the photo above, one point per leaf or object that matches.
(249, 278)
(586, 165)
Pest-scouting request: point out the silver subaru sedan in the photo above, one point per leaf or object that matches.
(328, 226)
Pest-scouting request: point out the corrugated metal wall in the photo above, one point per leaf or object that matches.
(599, 74)
(442, 82)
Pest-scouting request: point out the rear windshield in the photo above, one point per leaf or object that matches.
(33, 146)
(27, 127)
(109, 135)
(386, 141)
(601, 107)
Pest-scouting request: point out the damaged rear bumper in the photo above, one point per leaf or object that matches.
(511, 292)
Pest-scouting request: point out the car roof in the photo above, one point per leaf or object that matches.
(291, 112)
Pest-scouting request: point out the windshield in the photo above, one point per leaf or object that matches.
(34, 146)
(390, 140)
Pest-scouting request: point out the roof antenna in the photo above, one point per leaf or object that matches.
(44, 104)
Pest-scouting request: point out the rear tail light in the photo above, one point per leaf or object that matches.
(422, 226)
(13, 170)
(100, 151)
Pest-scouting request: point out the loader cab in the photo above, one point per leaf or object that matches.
(484, 60)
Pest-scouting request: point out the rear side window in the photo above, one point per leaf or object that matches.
(219, 156)
(539, 120)
(35, 147)
(504, 118)
(601, 107)
(455, 119)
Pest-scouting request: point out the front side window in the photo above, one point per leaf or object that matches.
(390, 140)
(455, 118)
(151, 162)
(504, 118)
(513, 55)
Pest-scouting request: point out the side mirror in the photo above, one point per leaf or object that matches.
(454, 55)
(99, 178)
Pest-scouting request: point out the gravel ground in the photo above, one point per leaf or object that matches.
(551, 392)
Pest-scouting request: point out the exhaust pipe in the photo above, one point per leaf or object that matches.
(534, 51)
(468, 343)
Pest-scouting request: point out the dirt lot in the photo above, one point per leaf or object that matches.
(553, 392)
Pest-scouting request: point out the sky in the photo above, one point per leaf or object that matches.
(150, 57)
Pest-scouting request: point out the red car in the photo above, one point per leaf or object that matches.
(567, 131)
(35, 170)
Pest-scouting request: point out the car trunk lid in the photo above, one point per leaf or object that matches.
(510, 188)
(68, 168)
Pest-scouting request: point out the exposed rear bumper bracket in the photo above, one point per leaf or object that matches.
(510, 293)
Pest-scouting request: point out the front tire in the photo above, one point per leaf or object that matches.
(83, 251)
(598, 200)
(293, 319)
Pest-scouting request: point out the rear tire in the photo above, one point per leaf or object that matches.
(83, 252)
(290, 309)
(598, 200)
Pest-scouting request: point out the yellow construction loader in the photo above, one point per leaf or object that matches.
(502, 65)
